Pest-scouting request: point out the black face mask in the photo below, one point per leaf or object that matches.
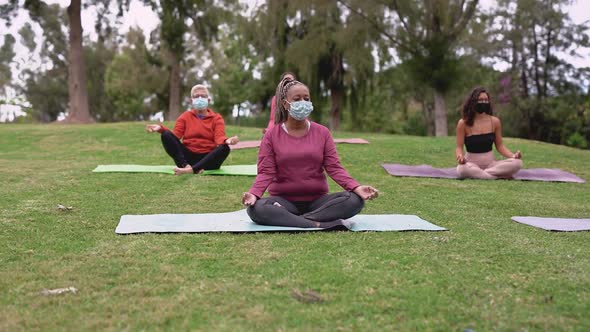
(483, 108)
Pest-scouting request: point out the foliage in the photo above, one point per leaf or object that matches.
(46, 88)
(425, 36)
(383, 66)
(577, 140)
(544, 89)
(132, 82)
(327, 50)
(200, 18)
(6, 57)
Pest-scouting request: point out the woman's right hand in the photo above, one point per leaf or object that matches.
(517, 155)
(367, 193)
(249, 199)
(153, 128)
(460, 159)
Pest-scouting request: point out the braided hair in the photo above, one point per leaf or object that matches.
(468, 111)
(287, 73)
(281, 114)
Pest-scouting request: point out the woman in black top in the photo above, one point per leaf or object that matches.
(478, 130)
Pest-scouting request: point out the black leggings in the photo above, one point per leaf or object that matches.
(183, 156)
(277, 211)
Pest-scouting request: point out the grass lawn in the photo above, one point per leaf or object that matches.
(486, 273)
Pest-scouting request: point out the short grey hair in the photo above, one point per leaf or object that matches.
(199, 87)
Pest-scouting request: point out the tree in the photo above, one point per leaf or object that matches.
(46, 88)
(78, 111)
(328, 50)
(179, 17)
(132, 82)
(425, 34)
(6, 57)
(533, 39)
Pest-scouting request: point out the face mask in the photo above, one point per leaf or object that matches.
(200, 103)
(300, 110)
(483, 108)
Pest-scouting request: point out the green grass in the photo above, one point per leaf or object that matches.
(486, 273)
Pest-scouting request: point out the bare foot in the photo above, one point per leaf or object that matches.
(184, 170)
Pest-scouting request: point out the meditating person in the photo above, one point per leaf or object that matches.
(271, 121)
(204, 144)
(478, 130)
(291, 162)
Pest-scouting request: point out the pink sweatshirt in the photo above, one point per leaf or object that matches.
(293, 167)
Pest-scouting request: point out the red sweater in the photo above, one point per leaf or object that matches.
(293, 167)
(199, 136)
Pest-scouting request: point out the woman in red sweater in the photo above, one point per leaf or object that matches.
(204, 143)
(291, 162)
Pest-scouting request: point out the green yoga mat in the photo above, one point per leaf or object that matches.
(246, 170)
(240, 222)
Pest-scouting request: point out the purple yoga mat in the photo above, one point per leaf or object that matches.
(555, 224)
(531, 174)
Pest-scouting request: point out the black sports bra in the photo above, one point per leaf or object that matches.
(480, 143)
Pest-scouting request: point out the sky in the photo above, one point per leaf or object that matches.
(143, 17)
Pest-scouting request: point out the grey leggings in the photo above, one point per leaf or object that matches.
(277, 211)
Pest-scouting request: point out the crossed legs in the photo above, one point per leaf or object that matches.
(277, 211)
(198, 161)
(483, 166)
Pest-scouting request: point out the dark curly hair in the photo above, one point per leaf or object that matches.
(468, 111)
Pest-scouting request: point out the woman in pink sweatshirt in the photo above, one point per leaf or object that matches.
(291, 162)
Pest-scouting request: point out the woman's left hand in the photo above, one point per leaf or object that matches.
(232, 140)
(517, 155)
(366, 192)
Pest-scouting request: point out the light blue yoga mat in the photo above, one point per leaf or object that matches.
(246, 170)
(240, 222)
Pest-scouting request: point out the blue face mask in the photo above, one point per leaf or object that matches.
(200, 103)
(300, 110)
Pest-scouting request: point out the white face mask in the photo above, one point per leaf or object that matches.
(200, 103)
(300, 110)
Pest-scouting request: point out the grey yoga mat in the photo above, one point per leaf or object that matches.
(240, 222)
(555, 224)
(531, 174)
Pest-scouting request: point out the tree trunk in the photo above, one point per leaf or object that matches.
(174, 101)
(428, 118)
(536, 63)
(336, 89)
(524, 81)
(547, 60)
(336, 95)
(440, 115)
(78, 94)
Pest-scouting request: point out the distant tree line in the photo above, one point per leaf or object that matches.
(372, 65)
